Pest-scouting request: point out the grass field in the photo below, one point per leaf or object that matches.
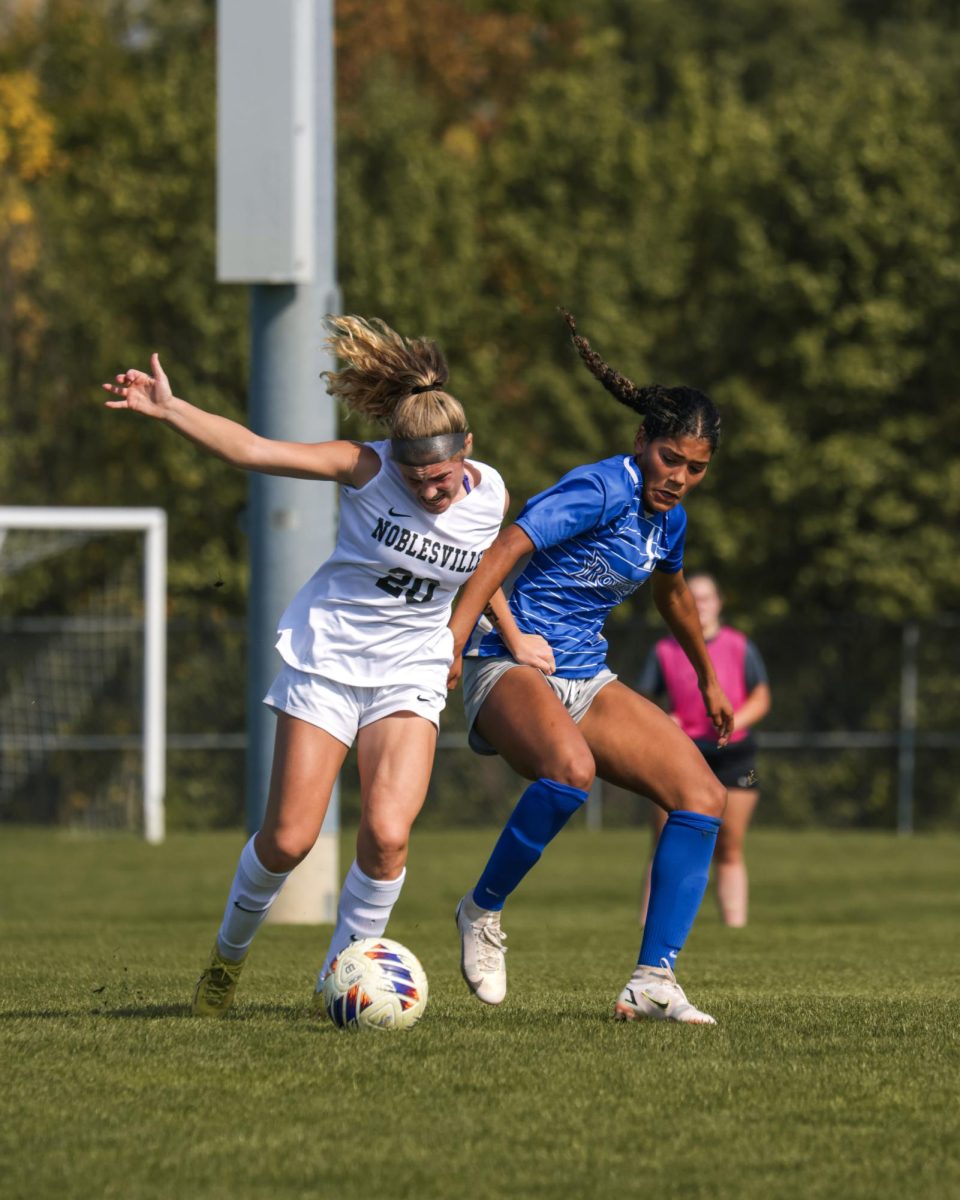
(834, 1070)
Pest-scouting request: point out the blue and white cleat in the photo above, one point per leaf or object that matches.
(654, 994)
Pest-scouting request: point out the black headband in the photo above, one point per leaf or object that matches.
(422, 452)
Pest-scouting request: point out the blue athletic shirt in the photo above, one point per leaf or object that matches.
(595, 545)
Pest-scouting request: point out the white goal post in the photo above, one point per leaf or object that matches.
(152, 523)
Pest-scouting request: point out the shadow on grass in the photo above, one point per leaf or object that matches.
(149, 1011)
(240, 1015)
(162, 1012)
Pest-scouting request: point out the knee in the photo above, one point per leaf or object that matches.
(383, 845)
(280, 850)
(710, 799)
(575, 768)
(729, 851)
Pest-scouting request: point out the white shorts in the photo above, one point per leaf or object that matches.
(481, 674)
(342, 709)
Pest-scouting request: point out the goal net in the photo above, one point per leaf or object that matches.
(83, 667)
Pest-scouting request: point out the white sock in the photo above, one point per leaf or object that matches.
(253, 890)
(363, 910)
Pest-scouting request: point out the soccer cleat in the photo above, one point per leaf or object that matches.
(213, 995)
(653, 992)
(482, 951)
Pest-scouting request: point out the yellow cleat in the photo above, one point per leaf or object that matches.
(213, 995)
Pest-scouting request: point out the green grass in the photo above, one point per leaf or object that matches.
(833, 1071)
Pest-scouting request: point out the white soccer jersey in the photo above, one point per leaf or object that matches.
(376, 612)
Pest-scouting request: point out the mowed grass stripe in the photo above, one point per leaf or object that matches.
(833, 1071)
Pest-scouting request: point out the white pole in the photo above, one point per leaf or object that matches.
(155, 679)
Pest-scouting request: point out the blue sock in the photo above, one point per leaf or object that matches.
(678, 880)
(541, 812)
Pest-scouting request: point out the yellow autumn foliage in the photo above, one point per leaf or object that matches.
(26, 148)
(27, 153)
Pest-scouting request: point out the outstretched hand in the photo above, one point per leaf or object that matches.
(143, 393)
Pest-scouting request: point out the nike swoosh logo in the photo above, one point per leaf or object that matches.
(237, 904)
(425, 699)
(396, 514)
(662, 1004)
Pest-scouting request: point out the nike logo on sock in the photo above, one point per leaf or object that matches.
(237, 904)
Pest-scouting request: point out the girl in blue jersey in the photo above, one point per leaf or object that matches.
(591, 540)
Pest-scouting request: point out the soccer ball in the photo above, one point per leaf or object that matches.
(375, 983)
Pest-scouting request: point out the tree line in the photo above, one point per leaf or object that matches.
(759, 200)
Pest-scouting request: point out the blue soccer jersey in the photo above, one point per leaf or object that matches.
(595, 545)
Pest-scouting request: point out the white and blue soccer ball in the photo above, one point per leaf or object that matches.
(375, 983)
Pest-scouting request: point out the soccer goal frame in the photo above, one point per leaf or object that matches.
(152, 523)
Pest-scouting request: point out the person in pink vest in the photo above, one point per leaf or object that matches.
(742, 675)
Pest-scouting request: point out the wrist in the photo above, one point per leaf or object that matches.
(171, 410)
(459, 640)
(511, 639)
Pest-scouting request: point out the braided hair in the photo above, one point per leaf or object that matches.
(666, 411)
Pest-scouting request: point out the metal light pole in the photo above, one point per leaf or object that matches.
(276, 230)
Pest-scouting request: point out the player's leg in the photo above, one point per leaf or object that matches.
(527, 724)
(525, 721)
(637, 746)
(658, 818)
(395, 757)
(729, 865)
(306, 761)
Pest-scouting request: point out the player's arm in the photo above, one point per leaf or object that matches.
(754, 708)
(675, 604)
(528, 649)
(498, 561)
(151, 395)
(757, 704)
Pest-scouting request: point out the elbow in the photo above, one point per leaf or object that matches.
(513, 543)
(248, 454)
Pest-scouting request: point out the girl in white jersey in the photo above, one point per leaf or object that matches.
(365, 643)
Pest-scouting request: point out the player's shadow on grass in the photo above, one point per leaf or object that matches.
(245, 1012)
(155, 1011)
(150, 1012)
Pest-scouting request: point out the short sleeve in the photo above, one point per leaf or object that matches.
(676, 535)
(650, 681)
(754, 668)
(575, 504)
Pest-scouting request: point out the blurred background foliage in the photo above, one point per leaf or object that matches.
(759, 200)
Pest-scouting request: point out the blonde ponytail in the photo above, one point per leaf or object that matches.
(396, 381)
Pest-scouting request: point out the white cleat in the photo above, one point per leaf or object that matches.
(482, 951)
(653, 993)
